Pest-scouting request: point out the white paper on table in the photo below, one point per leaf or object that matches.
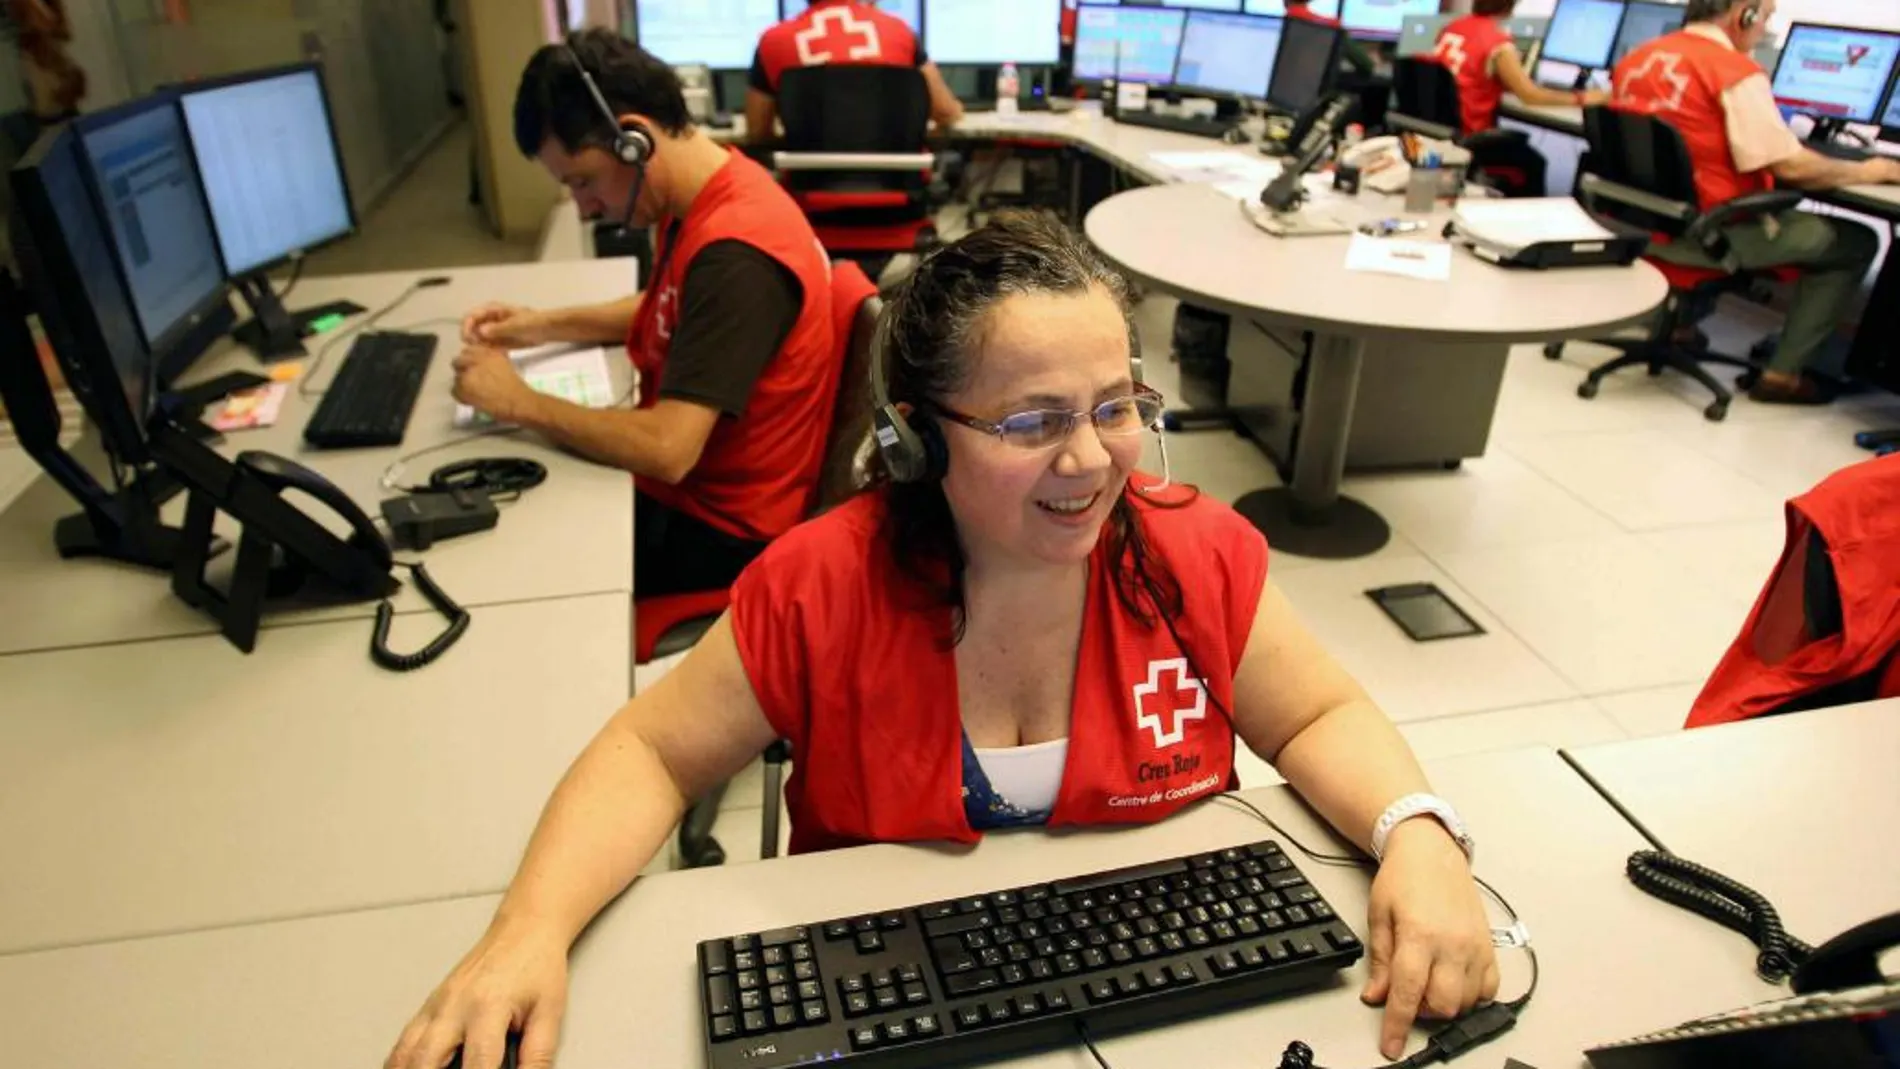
(1521, 223)
(559, 370)
(1426, 260)
(1221, 169)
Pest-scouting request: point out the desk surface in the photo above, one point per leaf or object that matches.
(167, 786)
(1207, 251)
(571, 535)
(1801, 807)
(335, 990)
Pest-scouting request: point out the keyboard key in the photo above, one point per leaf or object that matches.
(1100, 992)
(748, 980)
(976, 940)
(801, 952)
(908, 974)
(1277, 951)
(915, 994)
(1005, 898)
(999, 1011)
(1121, 953)
(851, 985)
(970, 983)
(1018, 953)
(975, 904)
(957, 925)
(1172, 942)
(751, 1000)
(1320, 911)
(1252, 867)
(1008, 915)
(1146, 948)
(773, 955)
(1184, 974)
(1198, 938)
(1013, 975)
(895, 1031)
(891, 921)
(724, 1028)
(718, 958)
(1297, 915)
(1251, 958)
(1341, 939)
(923, 1026)
(1273, 920)
(1233, 854)
(779, 994)
(1148, 926)
(1155, 977)
(870, 942)
(837, 930)
(1247, 926)
(1302, 895)
(784, 1016)
(1055, 1000)
(778, 937)
(805, 970)
(937, 911)
(1222, 932)
(1223, 911)
(885, 998)
(857, 1004)
(778, 974)
(1131, 983)
(745, 959)
(970, 1017)
(1094, 958)
(864, 1037)
(809, 990)
(1280, 881)
(1068, 964)
(864, 924)
(1035, 894)
(1304, 947)
(1026, 1005)
(753, 1022)
(813, 1013)
(883, 980)
(1224, 963)
(1042, 969)
(719, 995)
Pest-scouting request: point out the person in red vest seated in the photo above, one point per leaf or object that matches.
(732, 337)
(1703, 81)
(1010, 627)
(1483, 59)
(1355, 55)
(837, 32)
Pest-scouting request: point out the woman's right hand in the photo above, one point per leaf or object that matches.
(505, 326)
(511, 982)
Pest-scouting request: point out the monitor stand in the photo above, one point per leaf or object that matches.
(273, 332)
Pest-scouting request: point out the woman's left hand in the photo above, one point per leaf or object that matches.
(1431, 951)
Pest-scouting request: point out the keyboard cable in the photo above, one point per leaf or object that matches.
(310, 373)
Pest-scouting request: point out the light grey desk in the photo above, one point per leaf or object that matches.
(323, 992)
(1800, 807)
(571, 535)
(1194, 242)
(166, 786)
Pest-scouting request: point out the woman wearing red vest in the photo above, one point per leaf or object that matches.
(1703, 81)
(1483, 59)
(837, 32)
(1010, 627)
(732, 337)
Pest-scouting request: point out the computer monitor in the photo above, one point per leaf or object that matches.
(150, 194)
(267, 151)
(1643, 22)
(1277, 8)
(1583, 32)
(1306, 66)
(1835, 74)
(1205, 5)
(1890, 115)
(1382, 19)
(911, 11)
(722, 34)
(1418, 34)
(992, 32)
(71, 281)
(1230, 54)
(1135, 44)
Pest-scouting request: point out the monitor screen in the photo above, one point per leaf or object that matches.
(1583, 32)
(272, 175)
(722, 34)
(1277, 8)
(1303, 72)
(1834, 73)
(1229, 53)
(66, 257)
(1891, 117)
(1139, 42)
(1382, 18)
(911, 11)
(1204, 5)
(986, 32)
(154, 204)
(1418, 35)
(1644, 22)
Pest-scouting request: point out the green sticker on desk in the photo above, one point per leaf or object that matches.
(325, 324)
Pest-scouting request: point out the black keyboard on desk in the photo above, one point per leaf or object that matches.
(1180, 124)
(369, 401)
(1841, 150)
(1014, 970)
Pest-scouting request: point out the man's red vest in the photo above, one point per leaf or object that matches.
(1680, 77)
(836, 32)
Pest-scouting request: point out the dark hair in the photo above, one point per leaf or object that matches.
(553, 100)
(1705, 10)
(929, 334)
(1493, 7)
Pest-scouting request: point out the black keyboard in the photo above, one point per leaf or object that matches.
(369, 401)
(1180, 124)
(1841, 150)
(997, 974)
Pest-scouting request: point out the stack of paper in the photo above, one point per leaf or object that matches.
(1511, 225)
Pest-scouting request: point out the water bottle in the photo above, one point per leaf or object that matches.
(1008, 84)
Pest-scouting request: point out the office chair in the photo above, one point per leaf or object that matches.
(673, 623)
(855, 159)
(1427, 104)
(1825, 630)
(1639, 172)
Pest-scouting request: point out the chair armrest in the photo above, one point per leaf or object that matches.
(1597, 188)
(1414, 124)
(1710, 225)
(1493, 138)
(853, 161)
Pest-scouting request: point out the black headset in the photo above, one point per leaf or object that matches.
(1751, 14)
(633, 142)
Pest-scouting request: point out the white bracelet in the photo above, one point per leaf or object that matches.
(1421, 805)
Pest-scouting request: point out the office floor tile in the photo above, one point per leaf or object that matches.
(1557, 724)
(1611, 614)
(1736, 557)
(1642, 713)
(1417, 680)
(1646, 480)
(1540, 397)
(1787, 457)
(1494, 500)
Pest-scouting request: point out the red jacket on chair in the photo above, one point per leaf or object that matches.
(1778, 660)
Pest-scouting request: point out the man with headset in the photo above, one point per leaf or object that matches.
(732, 337)
(1702, 81)
(837, 32)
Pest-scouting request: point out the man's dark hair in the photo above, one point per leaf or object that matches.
(1493, 7)
(1709, 10)
(553, 100)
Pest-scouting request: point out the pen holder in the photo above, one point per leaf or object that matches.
(1421, 190)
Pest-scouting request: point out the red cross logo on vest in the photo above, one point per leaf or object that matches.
(1657, 85)
(833, 30)
(1165, 708)
(667, 312)
(1451, 51)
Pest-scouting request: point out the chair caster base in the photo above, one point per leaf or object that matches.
(1587, 389)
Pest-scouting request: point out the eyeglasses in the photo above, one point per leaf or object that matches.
(1045, 427)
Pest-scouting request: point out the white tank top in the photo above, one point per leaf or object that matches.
(1027, 776)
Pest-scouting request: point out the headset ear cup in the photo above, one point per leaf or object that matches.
(635, 145)
(936, 451)
(904, 454)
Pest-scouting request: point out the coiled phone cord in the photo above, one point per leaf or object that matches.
(1700, 889)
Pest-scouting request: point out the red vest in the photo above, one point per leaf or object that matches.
(1305, 13)
(1465, 48)
(759, 473)
(837, 32)
(1681, 77)
(847, 658)
(1775, 661)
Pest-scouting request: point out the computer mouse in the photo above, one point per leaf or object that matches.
(510, 1055)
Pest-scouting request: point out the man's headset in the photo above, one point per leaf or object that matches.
(1751, 10)
(633, 143)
